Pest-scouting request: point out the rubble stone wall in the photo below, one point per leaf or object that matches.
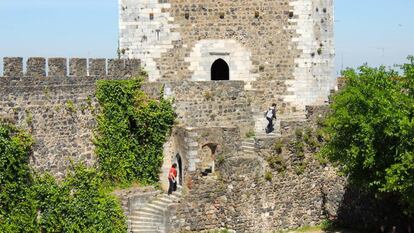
(247, 193)
(56, 104)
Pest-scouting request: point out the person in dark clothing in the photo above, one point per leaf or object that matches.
(172, 179)
(270, 115)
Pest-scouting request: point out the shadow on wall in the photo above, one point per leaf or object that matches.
(360, 210)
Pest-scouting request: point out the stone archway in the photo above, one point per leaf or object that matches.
(220, 70)
(209, 157)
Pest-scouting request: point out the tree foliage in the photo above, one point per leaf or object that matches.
(371, 130)
(132, 130)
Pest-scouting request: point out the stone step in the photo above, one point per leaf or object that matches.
(146, 228)
(158, 205)
(151, 225)
(138, 214)
(165, 199)
(264, 136)
(151, 218)
(172, 197)
(147, 231)
(158, 219)
(248, 147)
(150, 210)
(248, 144)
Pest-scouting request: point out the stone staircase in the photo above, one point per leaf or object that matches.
(153, 216)
(261, 123)
(248, 146)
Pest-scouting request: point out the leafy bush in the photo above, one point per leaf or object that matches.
(371, 129)
(131, 132)
(276, 162)
(268, 176)
(278, 146)
(39, 204)
(16, 204)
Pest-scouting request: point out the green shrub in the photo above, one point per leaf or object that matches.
(39, 204)
(220, 159)
(14, 170)
(297, 148)
(371, 131)
(278, 146)
(277, 163)
(250, 134)
(307, 135)
(300, 168)
(70, 106)
(298, 133)
(268, 176)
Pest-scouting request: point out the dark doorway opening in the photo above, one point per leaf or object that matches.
(220, 70)
(180, 169)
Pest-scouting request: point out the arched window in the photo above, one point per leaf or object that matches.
(220, 70)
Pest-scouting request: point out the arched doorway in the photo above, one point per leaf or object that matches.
(180, 169)
(220, 70)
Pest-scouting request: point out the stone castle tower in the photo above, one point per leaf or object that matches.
(282, 49)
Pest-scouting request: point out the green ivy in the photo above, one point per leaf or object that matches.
(15, 179)
(79, 204)
(131, 132)
(30, 203)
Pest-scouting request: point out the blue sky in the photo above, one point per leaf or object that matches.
(373, 31)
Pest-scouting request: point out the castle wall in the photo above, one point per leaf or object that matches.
(314, 68)
(300, 191)
(285, 44)
(55, 100)
(56, 104)
(207, 104)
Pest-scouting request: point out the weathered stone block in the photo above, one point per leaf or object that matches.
(132, 67)
(97, 67)
(116, 67)
(77, 67)
(36, 66)
(57, 67)
(13, 66)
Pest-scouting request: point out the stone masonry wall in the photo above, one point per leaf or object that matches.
(314, 68)
(59, 109)
(207, 104)
(283, 49)
(266, 191)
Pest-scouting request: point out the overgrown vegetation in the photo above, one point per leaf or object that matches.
(277, 162)
(371, 131)
(131, 132)
(30, 203)
(268, 175)
(130, 136)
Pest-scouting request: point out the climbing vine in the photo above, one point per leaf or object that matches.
(131, 132)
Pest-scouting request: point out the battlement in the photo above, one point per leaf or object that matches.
(73, 67)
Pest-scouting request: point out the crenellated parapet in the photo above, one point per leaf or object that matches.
(72, 67)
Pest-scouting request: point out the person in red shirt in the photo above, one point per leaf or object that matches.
(172, 179)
